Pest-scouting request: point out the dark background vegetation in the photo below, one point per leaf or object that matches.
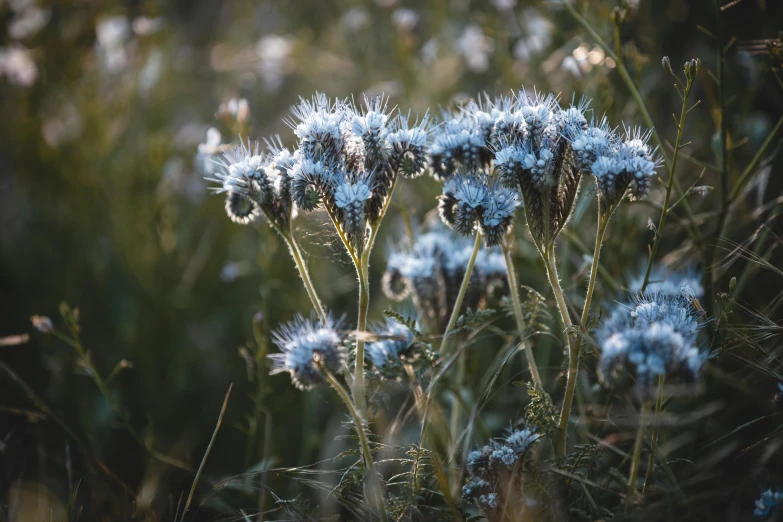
(102, 205)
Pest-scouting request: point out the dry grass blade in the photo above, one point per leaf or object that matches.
(206, 453)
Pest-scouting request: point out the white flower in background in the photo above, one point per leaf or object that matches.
(537, 36)
(429, 51)
(111, 34)
(17, 65)
(209, 148)
(274, 52)
(504, 5)
(475, 47)
(152, 70)
(355, 19)
(404, 19)
(62, 122)
(28, 21)
(144, 26)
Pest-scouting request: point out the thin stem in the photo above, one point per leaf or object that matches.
(751, 168)
(521, 328)
(463, 289)
(654, 437)
(637, 454)
(96, 377)
(709, 273)
(206, 453)
(639, 102)
(573, 359)
(361, 326)
(365, 446)
(296, 253)
(669, 184)
(455, 409)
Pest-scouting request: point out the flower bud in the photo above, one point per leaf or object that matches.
(667, 65)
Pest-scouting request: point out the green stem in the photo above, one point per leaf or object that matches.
(576, 347)
(669, 184)
(573, 359)
(455, 409)
(463, 289)
(521, 328)
(96, 377)
(296, 253)
(653, 437)
(709, 257)
(637, 454)
(376, 497)
(636, 95)
(751, 168)
(361, 326)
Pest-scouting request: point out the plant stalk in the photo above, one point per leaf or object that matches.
(521, 328)
(463, 289)
(654, 437)
(376, 496)
(669, 184)
(637, 454)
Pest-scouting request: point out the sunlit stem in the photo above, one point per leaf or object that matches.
(463, 289)
(637, 454)
(576, 346)
(296, 253)
(654, 436)
(669, 185)
(374, 494)
(521, 328)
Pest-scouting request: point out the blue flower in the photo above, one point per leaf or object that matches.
(687, 282)
(307, 347)
(657, 335)
(769, 503)
(396, 342)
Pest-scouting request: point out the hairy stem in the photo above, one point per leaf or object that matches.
(376, 497)
(669, 184)
(361, 327)
(637, 454)
(463, 289)
(573, 358)
(521, 328)
(654, 437)
(296, 253)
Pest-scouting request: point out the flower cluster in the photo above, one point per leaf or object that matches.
(770, 503)
(349, 158)
(494, 472)
(618, 164)
(395, 344)
(657, 335)
(308, 347)
(257, 183)
(531, 140)
(470, 201)
(431, 270)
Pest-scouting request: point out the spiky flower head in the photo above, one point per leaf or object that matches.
(431, 269)
(307, 348)
(620, 165)
(395, 344)
(459, 142)
(469, 202)
(408, 142)
(770, 503)
(496, 474)
(532, 153)
(657, 335)
(255, 183)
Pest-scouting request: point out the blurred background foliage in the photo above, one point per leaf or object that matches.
(103, 205)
